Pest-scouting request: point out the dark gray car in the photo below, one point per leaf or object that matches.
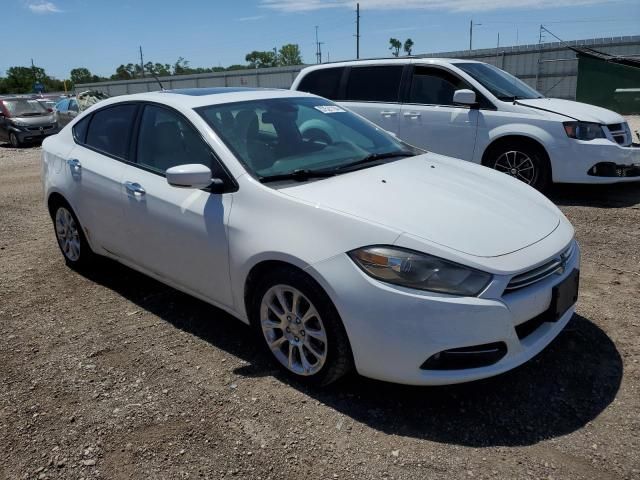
(25, 120)
(69, 108)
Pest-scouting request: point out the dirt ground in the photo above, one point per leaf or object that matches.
(113, 375)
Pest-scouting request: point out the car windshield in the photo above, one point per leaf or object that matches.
(24, 107)
(274, 138)
(502, 84)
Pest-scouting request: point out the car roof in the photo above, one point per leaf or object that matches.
(390, 61)
(200, 97)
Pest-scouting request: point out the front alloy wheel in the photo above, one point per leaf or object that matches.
(519, 165)
(294, 330)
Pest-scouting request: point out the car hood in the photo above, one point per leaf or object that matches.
(455, 204)
(36, 121)
(574, 110)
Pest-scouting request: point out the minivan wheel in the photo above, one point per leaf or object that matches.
(527, 164)
(14, 140)
(71, 240)
(299, 327)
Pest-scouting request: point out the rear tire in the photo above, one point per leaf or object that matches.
(70, 237)
(523, 161)
(299, 327)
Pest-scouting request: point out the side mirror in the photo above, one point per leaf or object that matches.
(464, 97)
(193, 175)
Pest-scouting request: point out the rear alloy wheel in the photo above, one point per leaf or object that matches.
(299, 327)
(70, 237)
(14, 140)
(526, 164)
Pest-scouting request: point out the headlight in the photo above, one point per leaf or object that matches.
(419, 270)
(583, 130)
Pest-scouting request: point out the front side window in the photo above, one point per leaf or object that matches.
(374, 84)
(167, 140)
(324, 82)
(110, 130)
(501, 84)
(432, 86)
(280, 136)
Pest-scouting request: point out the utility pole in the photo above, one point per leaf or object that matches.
(141, 62)
(357, 30)
(320, 51)
(471, 25)
(317, 46)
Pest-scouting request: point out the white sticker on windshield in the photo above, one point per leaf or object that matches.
(329, 108)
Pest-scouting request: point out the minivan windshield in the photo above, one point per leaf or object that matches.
(300, 138)
(502, 84)
(23, 107)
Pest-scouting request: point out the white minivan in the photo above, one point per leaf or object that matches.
(477, 112)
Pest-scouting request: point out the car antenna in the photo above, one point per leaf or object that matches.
(159, 82)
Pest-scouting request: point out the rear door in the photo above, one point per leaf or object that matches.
(62, 112)
(430, 120)
(95, 166)
(373, 91)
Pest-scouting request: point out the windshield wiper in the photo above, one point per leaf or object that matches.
(374, 157)
(300, 175)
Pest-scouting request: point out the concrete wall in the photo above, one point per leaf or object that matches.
(551, 68)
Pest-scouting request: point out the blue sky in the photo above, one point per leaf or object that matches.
(101, 34)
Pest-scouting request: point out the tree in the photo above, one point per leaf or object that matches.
(408, 46)
(259, 59)
(290, 55)
(231, 68)
(395, 46)
(158, 69)
(81, 75)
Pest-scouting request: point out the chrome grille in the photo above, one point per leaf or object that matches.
(37, 129)
(621, 133)
(555, 265)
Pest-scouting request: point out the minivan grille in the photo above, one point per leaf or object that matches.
(538, 274)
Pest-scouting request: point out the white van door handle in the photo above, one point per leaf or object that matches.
(412, 114)
(388, 113)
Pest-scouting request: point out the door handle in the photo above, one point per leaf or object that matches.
(388, 113)
(134, 189)
(412, 114)
(75, 166)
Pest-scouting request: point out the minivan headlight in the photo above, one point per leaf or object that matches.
(584, 130)
(419, 270)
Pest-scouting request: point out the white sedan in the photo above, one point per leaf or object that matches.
(342, 246)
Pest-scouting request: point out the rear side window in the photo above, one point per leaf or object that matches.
(110, 130)
(62, 105)
(374, 84)
(324, 82)
(80, 130)
(432, 86)
(73, 105)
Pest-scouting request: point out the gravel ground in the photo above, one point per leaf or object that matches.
(113, 375)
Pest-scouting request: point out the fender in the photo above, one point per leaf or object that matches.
(534, 132)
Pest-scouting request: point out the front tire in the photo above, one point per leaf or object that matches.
(522, 161)
(14, 140)
(299, 327)
(71, 240)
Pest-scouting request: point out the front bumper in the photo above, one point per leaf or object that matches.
(34, 134)
(394, 330)
(597, 161)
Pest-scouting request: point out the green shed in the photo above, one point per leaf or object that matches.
(608, 81)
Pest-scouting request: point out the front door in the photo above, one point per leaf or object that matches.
(178, 234)
(431, 121)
